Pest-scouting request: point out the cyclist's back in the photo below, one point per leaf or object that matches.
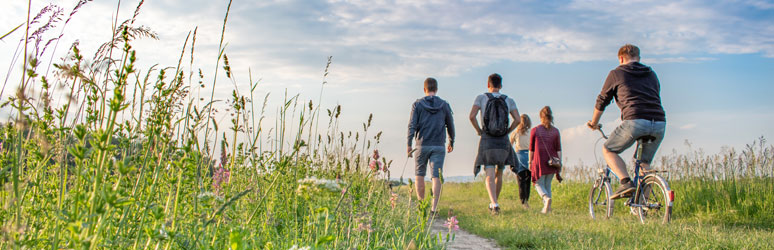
(636, 90)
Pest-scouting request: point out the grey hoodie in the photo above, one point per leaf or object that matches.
(430, 115)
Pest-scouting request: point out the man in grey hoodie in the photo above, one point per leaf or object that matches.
(431, 119)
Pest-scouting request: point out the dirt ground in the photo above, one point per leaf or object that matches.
(463, 239)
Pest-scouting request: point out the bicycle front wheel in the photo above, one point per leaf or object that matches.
(600, 204)
(653, 201)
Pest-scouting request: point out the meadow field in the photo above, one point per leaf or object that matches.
(99, 153)
(722, 201)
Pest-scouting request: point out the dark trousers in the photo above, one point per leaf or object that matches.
(525, 181)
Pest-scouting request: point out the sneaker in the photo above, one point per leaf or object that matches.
(623, 191)
(496, 211)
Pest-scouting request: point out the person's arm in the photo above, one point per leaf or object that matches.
(450, 128)
(412, 126)
(513, 137)
(473, 120)
(594, 123)
(558, 147)
(603, 99)
(531, 146)
(516, 120)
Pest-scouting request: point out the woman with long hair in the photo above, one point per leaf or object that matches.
(520, 141)
(544, 144)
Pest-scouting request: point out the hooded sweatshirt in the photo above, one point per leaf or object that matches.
(430, 116)
(636, 90)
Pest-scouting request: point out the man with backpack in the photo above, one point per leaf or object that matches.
(431, 118)
(494, 149)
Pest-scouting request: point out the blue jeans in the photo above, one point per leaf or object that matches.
(543, 185)
(630, 130)
(523, 157)
(432, 155)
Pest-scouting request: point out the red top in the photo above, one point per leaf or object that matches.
(542, 142)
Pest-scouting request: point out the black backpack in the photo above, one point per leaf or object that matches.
(496, 121)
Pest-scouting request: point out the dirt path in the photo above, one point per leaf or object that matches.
(463, 239)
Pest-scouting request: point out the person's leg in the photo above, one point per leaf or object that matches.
(543, 190)
(422, 157)
(491, 188)
(622, 138)
(616, 163)
(499, 181)
(420, 187)
(436, 193)
(539, 187)
(547, 184)
(436, 162)
(524, 183)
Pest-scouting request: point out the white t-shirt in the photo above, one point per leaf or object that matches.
(482, 99)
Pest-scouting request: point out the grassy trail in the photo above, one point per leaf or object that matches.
(569, 226)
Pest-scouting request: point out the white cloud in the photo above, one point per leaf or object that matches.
(688, 126)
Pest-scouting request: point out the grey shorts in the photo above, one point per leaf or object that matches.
(430, 155)
(630, 130)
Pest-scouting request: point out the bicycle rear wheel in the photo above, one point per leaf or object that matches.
(654, 200)
(600, 204)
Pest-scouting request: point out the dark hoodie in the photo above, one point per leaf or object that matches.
(636, 90)
(430, 115)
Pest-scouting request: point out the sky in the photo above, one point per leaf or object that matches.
(714, 59)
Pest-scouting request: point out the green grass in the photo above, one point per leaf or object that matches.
(100, 154)
(570, 226)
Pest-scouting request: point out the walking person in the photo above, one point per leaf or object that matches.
(545, 149)
(637, 91)
(494, 149)
(520, 142)
(429, 122)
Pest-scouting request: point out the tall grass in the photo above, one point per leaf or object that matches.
(732, 186)
(133, 160)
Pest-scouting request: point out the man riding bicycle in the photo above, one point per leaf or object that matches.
(636, 90)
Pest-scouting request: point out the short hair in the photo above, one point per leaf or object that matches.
(496, 80)
(431, 85)
(629, 51)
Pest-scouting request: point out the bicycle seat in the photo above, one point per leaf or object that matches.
(646, 139)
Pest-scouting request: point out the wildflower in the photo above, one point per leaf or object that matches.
(375, 165)
(452, 223)
(364, 223)
(393, 199)
(221, 175)
(376, 154)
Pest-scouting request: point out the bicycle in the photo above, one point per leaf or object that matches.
(651, 201)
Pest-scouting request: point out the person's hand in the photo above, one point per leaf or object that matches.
(559, 178)
(593, 126)
(449, 149)
(408, 151)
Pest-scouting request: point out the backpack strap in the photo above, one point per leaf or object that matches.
(489, 95)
